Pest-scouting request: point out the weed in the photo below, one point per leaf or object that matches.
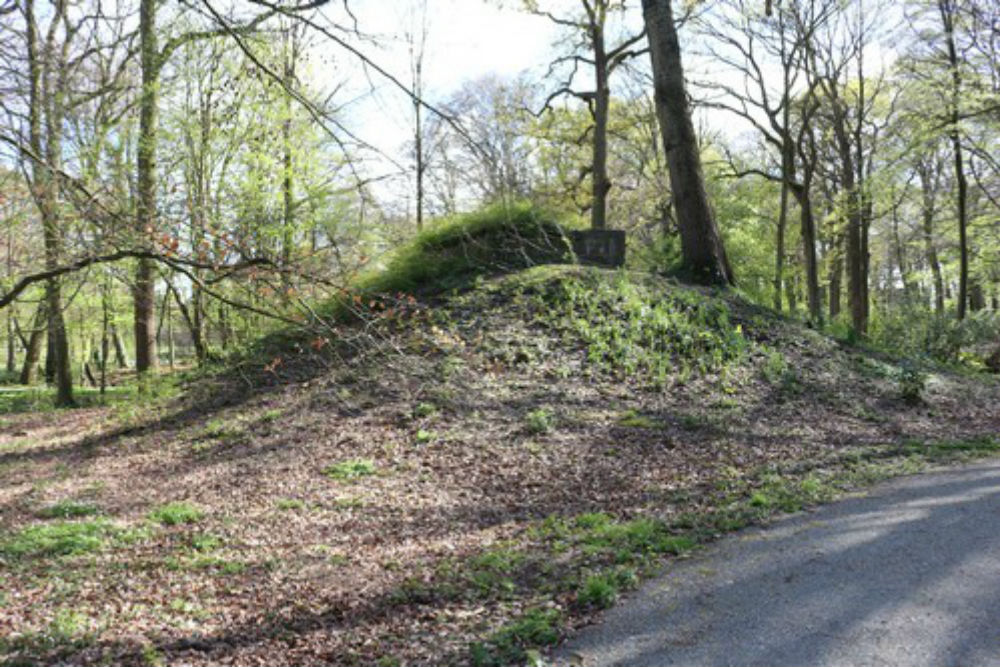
(350, 470)
(629, 329)
(424, 410)
(270, 416)
(176, 514)
(205, 542)
(68, 509)
(598, 590)
(424, 437)
(775, 367)
(535, 628)
(540, 421)
(290, 504)
(65, 538)
(912, 381)
(633, 419)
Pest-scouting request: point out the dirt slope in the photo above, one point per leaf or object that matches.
(392, 501)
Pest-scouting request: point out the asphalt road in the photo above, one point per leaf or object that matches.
(907, 575)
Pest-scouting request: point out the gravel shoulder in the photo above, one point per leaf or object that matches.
(908, 574)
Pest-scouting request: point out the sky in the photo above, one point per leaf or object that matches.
(466, 40)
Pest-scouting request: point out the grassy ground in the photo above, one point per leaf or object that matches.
(463, 485)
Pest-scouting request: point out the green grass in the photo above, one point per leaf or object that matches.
(176, 514)
(540, 421)
(68, 509)
(287, 504)
(452, 252)
(512, 643)
(632, 419)
(64, 538)
(351, 470)
(603, 589)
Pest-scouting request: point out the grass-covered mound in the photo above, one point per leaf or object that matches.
(454, 251)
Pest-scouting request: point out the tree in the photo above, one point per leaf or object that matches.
(704, 256)
(591, 28)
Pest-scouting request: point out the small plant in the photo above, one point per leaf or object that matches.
(424, 410)
(912, 381)
(775, 367)
(633, 419)
(511, 644)
(176, 514)
(540, 421)
(205, 542)
(350, 470)
(290, 504)
(270, 416)
(598, 590)
(423, 437)
(66, 538)
(68, 509)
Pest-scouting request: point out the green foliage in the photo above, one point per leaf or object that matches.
(453, 252)
(775, 367)
(633, 419)
(350, 470)
(601, 590)
(68, 509)
(630, 328)
(540, 421)
(424, 410)
(424, 437)
(535, 628)
(205, 542)
(176, 514)
(915, 333)
(65, 538)
(912, 381)
(290, 504)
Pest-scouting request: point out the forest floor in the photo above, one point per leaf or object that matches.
(473, 489)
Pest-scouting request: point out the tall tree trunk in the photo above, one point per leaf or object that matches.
(703, 254)
(947, 10)
(144, 306)
(602, 104)
(779, 242)
(46, 93)
(807, 225)
(928, 191)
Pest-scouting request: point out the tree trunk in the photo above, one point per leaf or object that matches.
(602, 103)
(11, 344)
(144, 307)
(33, 350)
(704, 256)
(779, 242)
(807, 224)
(119, 345)
(836, 276)
(947, 10)
(46, 91)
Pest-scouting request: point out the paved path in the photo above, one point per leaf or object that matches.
(907, 575)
